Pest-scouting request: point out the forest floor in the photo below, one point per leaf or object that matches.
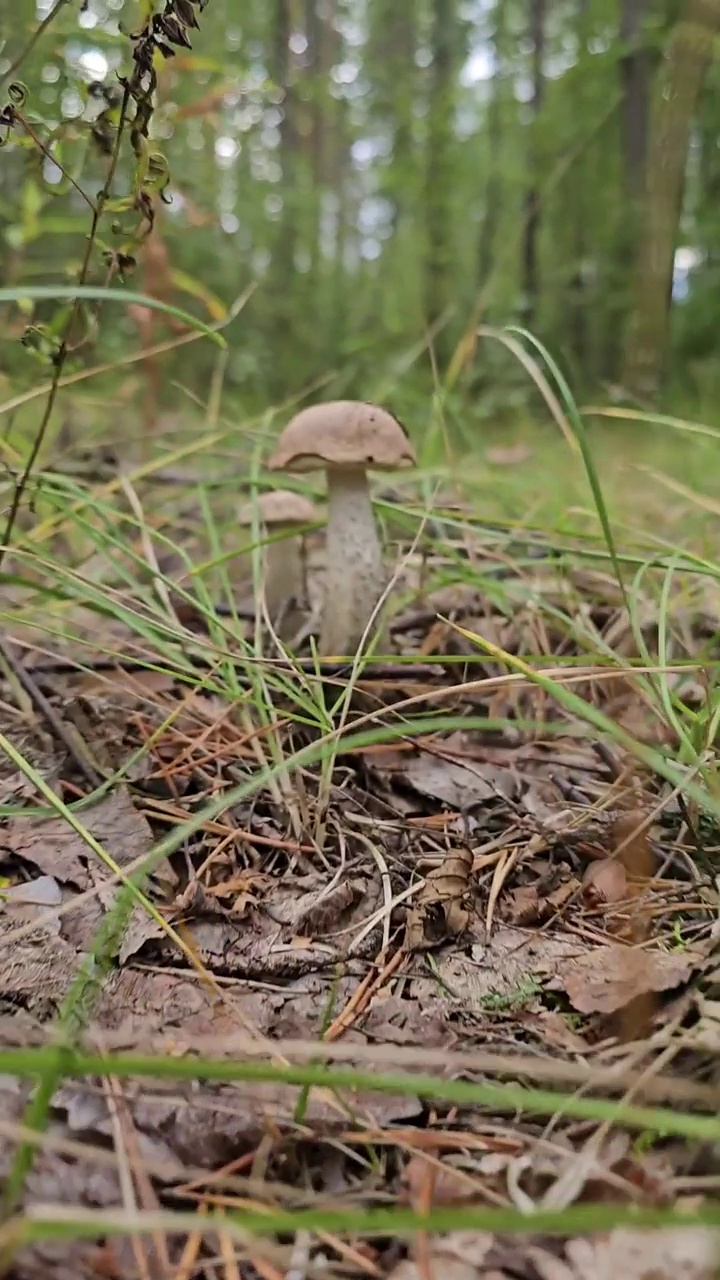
(392, 968)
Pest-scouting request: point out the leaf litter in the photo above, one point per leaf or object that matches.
(521, 888)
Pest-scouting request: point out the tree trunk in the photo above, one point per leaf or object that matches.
(530, 255)
(493, 185)
(438, 171)
(680, 81)
(285, 240)
(393, 74)
(324, 49)
(636, 70)
(709, 175)
(635, 77)
(577, 300)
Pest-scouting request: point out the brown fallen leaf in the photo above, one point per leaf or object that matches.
(36, 971)
(554, 1032)
(21, 904)
(607, 978)
(452, 782)
(528, 904)
(51, 844)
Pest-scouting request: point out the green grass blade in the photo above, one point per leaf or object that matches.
(39, 292)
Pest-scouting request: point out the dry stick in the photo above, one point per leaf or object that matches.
(112, 1092)
(188, 1264)
(102, 199)
(227, 1252)
(373, 980)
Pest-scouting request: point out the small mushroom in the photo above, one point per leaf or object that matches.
(346, 438)
(281, 512)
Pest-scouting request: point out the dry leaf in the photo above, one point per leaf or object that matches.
(680, 1253)
(508, 455)
(605, 881)
(448, 1185)
(554, 1032)
(607, 978)
(522, 905)
(453, 783)
(508, 965)
(440, 911)
(529, 905)
(56, 849)
(456, 1256)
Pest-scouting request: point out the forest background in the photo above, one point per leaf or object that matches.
(387, 176)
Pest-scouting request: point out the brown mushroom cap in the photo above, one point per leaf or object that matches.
(279, 506)
(343, 433)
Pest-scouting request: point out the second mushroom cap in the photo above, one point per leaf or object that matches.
(278, 507)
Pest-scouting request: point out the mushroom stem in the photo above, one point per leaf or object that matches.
(284, 575)
(355, 576)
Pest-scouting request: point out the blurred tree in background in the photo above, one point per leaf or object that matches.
(388, 175)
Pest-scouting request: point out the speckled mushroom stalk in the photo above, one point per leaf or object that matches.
(355, 575)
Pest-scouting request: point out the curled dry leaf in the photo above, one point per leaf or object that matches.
(441, 911)
(523, 905)
(605, 881)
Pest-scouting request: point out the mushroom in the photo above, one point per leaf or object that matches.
(346, 437)
(281, 511)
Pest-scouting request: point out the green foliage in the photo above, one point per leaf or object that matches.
(366, 166)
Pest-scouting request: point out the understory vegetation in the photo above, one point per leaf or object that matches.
(359, 803)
